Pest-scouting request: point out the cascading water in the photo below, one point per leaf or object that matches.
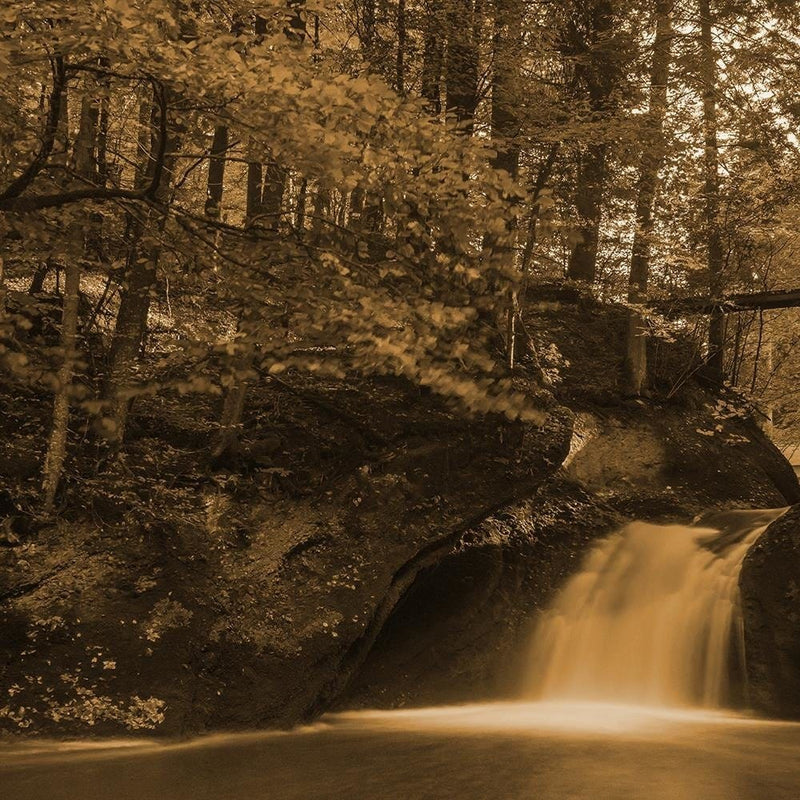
(650, 617)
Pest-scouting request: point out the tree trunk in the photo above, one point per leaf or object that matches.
(589, 205)
(715, 258)
(433, 56)
(596, 75)
(266, 184)
(216, 172)
(2, 294)
(366, 30)
(651, 162)
(57, 444)
(140, 280)
(129, 332)
(102, 136)
(144, 148)
(542, 177)
(461, 69)
(83, 152)
(300, 207)
(38, 279)
(272, 193)
(227, 441)
(232, 409)
(84, 165)
(399, 79)
(253, 189)
(507, 42)
(321, 209)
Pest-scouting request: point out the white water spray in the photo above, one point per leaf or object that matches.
(649, 619)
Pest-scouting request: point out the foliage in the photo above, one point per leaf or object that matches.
(251, 189)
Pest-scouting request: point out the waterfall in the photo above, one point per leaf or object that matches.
(650, 617)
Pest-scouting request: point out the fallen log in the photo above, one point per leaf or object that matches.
(732, 304)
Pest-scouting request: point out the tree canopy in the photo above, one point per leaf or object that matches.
(195, 197)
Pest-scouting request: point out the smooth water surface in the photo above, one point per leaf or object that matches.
(535, 751)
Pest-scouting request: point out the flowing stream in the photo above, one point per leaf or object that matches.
(626, 701)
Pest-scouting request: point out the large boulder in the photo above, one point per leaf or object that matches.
(770, 588)
(668, 462)
(259, 609)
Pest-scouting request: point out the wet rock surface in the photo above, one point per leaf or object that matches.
(770, 588)
(462, 631)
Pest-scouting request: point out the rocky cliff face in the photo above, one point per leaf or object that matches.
(770, 587)
(462, 630)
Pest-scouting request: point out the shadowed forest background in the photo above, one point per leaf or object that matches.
(254, 252)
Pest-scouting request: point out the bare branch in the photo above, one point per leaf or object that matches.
(18, 186)
(58, 199)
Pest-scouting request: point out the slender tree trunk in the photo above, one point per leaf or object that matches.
(366, 30)
(651, 162)
(266, 184)
(759, 346)
(233, 407)
(542, 177)
(144, 147)
(461, 69)
(227, 440)
(140, 280)
(742, 333)
(300, 206)
(433, 56)
(84, 165)
(129, 333)
(596, 75)
(57, 444)
(83, 153)
(38, 279)
(102, 136)
(253, 189)
(400, 68)
(507, 42)
(216, 172)
(356, 206)
(321, 210)
(273, 190)
(461, 85)
(715, 257)
(2, 293)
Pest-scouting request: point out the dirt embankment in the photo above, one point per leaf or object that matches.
(258, 607)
